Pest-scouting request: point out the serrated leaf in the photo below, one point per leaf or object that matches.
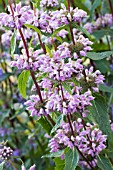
(34, 28)
(99, 56)
(59, 120)
(98, 112)
(54, 154)
(67, 87)
(13, 42)
(45, 124)
(105, 88)
(71, 159)
(2, 165)
(22, 82)
(104, 163)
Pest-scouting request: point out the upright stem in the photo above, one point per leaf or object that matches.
(69, 4)
(111, 7)
(9, 2)
(31, 71)
(71, 30)
(42, 45)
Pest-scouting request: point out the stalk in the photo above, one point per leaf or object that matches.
(31, 71)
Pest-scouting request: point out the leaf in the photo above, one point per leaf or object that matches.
(59, 164)
(2, 165)
(99, 56)
(67, 87)
(95, 4)
(59, 120)
(99, 113)
(59, 29)
(45, 124)
(22, 82)
(59, 39)
(82, 30)
(101, 33)
(34, 28)
(104, 163)
(48, 51)
(105, 88)
(13, 43)
(54, 154)
(43, 75)
(71, 159)
(102, 65)
(5, 114)
(80, 5)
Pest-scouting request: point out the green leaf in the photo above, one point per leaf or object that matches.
(2, 165)
(54, 154)
(59, 164)
(83, 30)
(59, 120)
(71, 159)
(104, 163)
(80, 5)
(43, 75)
(95, 4)
(99, 56)
(98, 111)
(48, 51)
(22, 82)
(59, 29)
(59, 39)
(67, 87)
(103, 66)
(34, 28)
(98, 34)
(45, 124)
(13, 43)
(105, 88)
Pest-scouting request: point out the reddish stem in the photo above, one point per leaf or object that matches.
(42, 45)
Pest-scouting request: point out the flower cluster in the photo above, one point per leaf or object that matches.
(5, 153)
(21, 16)
(89, 139)
(101, 22)
(48, 3)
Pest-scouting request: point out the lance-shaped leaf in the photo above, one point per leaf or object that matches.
(22, 82)
(99, 56)
(58, 123)
(104, 163)
(59, 164)
(98, 111)
(33, 28)
(54, 154)
(71, 159)
(13, 43)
